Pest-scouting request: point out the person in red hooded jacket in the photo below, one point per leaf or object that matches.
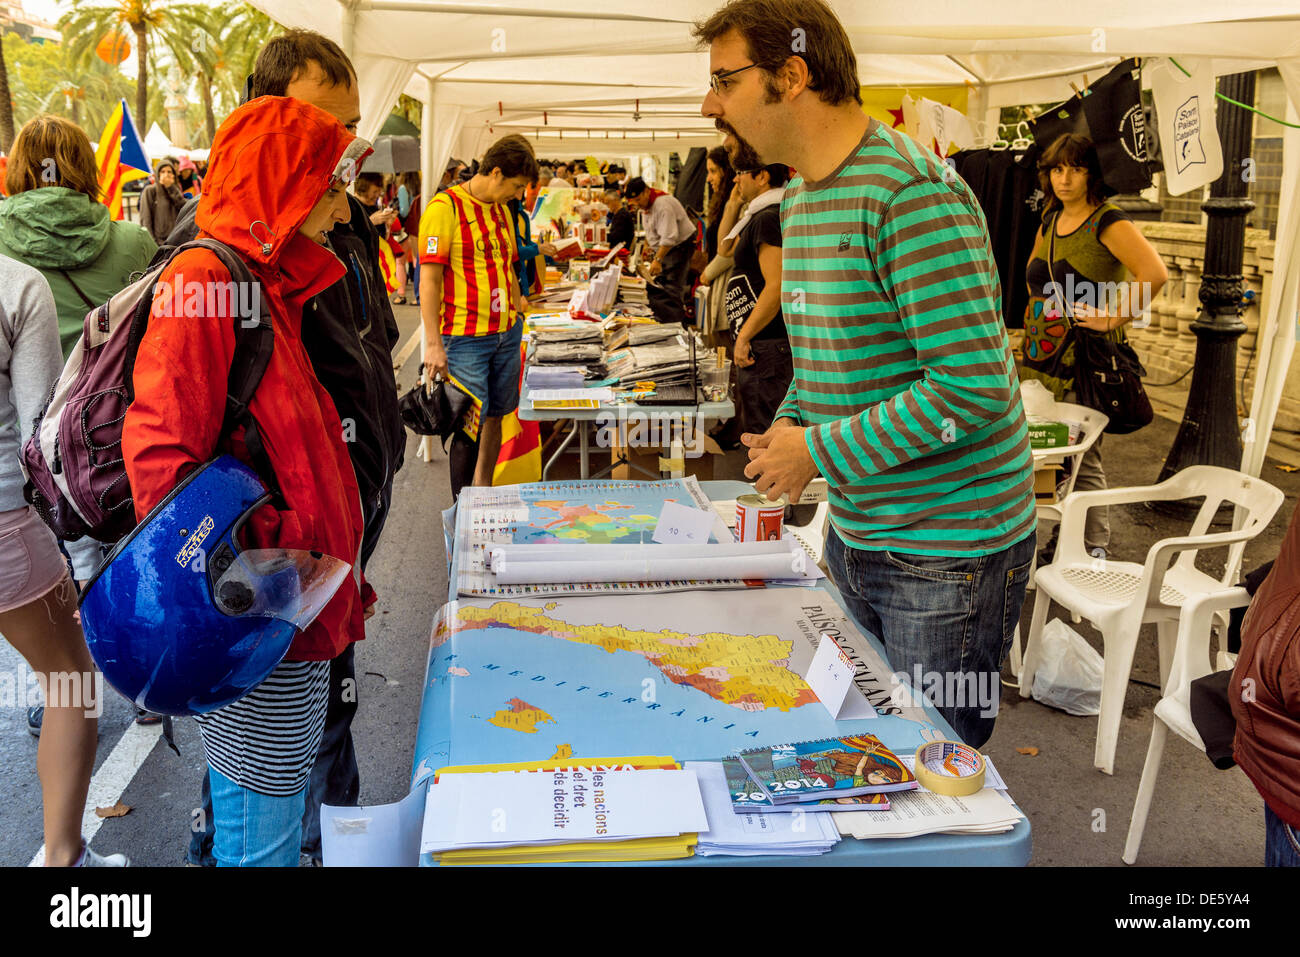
(275, 187)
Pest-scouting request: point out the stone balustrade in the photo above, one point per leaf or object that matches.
(1167, 345)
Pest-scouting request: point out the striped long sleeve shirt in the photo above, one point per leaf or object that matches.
(902, 367)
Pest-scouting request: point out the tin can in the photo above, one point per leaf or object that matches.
(759, 519)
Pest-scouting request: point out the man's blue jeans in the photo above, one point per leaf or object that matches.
(946, 622)
(263, 831)
(1281, 841)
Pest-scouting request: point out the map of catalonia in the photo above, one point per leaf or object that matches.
(749, 672)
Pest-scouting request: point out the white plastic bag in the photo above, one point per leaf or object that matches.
(1069, 672)
(1038, 400)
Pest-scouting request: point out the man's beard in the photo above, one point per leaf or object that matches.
(739, 151)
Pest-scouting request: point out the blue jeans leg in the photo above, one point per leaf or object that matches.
(255, 830)
(946, 621)
(1281, 841)
(200, 850)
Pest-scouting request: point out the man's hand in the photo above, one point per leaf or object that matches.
(435, 357)
(779, 460)
(547, 249)
(654, 269)
(368, 613)
(383, 217)
(744, 358)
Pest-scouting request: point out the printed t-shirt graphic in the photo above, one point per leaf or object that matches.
(475, 242)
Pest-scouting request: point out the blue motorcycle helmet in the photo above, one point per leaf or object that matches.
(180, 618)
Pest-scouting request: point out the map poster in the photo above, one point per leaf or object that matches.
(571, 513)
(697, 675)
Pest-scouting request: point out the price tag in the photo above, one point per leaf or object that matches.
(683, 525)
(830, 675)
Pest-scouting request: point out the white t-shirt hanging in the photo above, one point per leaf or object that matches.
(947, 126)
(1189, 140)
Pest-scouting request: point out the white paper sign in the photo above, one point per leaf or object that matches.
(830, 675)
(683, 525)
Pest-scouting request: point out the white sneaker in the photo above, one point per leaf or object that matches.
(89, 858)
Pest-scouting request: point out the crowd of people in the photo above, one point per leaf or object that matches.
(850, 276)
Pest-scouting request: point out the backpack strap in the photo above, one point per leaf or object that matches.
(254, 344)
(84, 298)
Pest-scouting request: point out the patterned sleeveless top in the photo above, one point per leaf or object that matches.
(1085, 272)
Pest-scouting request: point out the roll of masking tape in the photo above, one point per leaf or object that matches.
(949, 768)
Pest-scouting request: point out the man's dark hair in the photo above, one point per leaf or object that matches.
(370, 179)
(775, 30)
(634, 188)
(778, 174)
(285, 59)
(512, 155)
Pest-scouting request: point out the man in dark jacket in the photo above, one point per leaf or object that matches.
(349, 333)
(160, 202)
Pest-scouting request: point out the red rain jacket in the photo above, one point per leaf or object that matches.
(272, 160)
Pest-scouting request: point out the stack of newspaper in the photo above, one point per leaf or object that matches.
(912, 813)
(752, 835)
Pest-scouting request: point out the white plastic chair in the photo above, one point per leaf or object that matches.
(1091, 424)
(1119, 597)
(1191, 660)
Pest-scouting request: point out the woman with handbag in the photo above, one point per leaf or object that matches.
(1080, 301)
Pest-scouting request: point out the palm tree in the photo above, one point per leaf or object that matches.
(6, 104)
(86, 24)
(216, 49)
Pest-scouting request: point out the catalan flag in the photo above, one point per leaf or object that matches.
(520, 459)
(120, 157)
(389, 253)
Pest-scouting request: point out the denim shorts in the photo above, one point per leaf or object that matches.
(488, 366)
(30, 561)
(946, 622)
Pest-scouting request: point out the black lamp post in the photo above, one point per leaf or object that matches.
(1210, 433)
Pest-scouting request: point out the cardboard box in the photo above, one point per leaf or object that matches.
(1045, 480)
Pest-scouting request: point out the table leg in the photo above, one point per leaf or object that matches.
(559, 451)
(583, 450)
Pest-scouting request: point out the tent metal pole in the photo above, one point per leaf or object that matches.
(348, 29)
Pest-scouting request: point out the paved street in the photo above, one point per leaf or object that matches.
(1200, 816)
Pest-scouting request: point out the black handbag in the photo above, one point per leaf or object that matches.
(1107, 374)
(1108, 378)
(434, 411)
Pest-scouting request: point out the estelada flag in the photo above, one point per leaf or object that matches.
(388, 253)
(120, 158)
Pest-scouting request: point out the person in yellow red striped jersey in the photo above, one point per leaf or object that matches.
(470, 298)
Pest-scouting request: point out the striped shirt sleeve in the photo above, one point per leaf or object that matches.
(930, 253)
(789, 408)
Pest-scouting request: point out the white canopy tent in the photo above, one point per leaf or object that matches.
(621, 81)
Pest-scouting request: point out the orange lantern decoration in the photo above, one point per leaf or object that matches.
(113, 47)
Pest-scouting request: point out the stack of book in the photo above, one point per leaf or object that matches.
(574, 810)
(830, 769)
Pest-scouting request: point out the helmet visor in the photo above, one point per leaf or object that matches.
(283, 583)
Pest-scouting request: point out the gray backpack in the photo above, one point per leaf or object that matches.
(76, 475)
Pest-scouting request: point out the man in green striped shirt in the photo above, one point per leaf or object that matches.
(905, 394)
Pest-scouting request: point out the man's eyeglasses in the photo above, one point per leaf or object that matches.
(715, 79)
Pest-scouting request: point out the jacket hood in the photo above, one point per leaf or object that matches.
(272, 160)
(53, 227)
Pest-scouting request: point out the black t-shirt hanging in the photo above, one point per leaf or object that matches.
(746, 283)
(1111, 115)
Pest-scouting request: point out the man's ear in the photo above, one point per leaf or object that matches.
(792, 76)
